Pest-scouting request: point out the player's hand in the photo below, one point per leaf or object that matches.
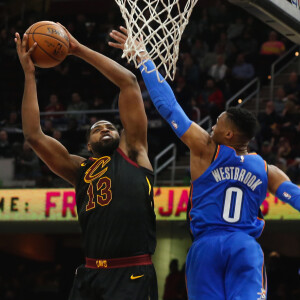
(24, 55)
(74, 45)
(120, 38)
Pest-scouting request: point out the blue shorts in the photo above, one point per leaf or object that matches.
(225, 265)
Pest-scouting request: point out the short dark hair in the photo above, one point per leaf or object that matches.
(244, 120)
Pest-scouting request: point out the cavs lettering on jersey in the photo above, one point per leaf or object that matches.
(229, 194)
(114, 199)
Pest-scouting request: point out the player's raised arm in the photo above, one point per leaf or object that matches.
(162, 96)
(280, 185)
(131, 107)
(53, 153)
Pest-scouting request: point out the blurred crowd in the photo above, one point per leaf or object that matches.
(221, 50)
(24, 279)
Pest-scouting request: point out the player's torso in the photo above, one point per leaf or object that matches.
(115, 207)
(229, 194)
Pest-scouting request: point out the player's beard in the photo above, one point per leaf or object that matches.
(105, 147)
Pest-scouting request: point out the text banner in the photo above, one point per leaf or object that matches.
(60, 204)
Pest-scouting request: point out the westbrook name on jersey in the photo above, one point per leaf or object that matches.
(229, 194)
(225, 221)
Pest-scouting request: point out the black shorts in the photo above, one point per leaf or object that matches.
(127, 283)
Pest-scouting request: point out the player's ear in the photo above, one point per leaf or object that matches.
(229, 134)
(89, 147)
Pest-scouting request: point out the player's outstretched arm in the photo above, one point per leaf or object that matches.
(131, 107)
(280, 185)
(53, 153)
(162, 96)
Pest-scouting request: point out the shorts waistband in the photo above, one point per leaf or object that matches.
(122, 262)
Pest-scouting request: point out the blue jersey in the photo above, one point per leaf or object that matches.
(228, 195)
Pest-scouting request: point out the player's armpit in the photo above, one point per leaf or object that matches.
(198, 140)
(56, 157)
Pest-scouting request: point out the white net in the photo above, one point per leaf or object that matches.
(160, 23)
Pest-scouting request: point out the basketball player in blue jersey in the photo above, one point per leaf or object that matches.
(114, 195)
(228, 186)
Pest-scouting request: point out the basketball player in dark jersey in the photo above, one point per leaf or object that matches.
(228, 187)
(114, 191)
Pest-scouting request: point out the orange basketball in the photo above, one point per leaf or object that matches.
(52, 43)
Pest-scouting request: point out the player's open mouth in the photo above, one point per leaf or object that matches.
(106, 137)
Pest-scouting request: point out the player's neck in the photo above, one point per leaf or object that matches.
(240, 149)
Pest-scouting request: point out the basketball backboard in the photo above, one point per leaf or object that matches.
(282, 15)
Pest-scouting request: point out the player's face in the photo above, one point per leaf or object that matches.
(104, 138)
(221, 131)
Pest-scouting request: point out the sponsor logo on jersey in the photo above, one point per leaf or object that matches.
(287, 195)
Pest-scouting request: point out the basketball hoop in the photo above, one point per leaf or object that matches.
(160, 24)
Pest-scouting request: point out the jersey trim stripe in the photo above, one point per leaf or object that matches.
(217, 153)
(263, 226)
(263, 275)
(191, 200)
(127, 158)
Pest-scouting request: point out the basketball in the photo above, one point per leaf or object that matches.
(52, 43)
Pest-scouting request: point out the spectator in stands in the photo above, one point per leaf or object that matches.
(48, 128)
(248, 45)
(292, 87)
(290, 117)
(57, 134)
(190, 70)
(5, 146)
(77, 105)
(218, 71)
(203, 21)
(286, 155)
(184, 94)
(280, 100)
(267, 153)
(13, 120)
(241, 73)
(211, 36)
(269, 121)
(27, 164)
(211, 100)
(171, 291)
(199, 49)
(272, 47)
(225, 47)
(235, 29)
(269, 52)
(54, 106)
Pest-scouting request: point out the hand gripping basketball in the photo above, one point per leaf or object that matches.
(23, 54)
(52, 43)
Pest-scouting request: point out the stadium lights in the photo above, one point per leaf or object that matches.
(240, 101)
(297, 53)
